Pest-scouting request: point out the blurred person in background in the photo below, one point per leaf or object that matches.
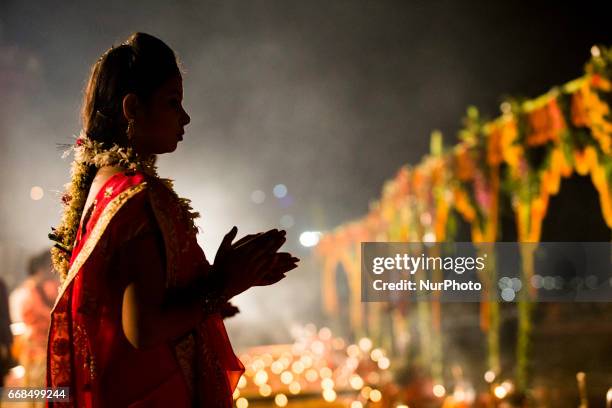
(30, 305)
(6, 337)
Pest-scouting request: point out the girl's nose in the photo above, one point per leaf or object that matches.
(186, 118)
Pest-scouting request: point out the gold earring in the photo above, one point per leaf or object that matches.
(130, 130)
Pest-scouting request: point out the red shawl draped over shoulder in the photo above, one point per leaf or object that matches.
(87, 349)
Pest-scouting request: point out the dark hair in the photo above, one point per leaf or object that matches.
(140, 65)
(38, 262)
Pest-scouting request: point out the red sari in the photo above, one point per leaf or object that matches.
(87, 349)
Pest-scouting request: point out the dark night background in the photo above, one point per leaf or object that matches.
(328, 98)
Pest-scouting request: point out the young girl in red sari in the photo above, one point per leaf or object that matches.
(138, 319)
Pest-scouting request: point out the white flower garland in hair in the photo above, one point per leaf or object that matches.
(93, 153)
(90, 155)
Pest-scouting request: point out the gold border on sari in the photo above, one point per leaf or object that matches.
(94, 237)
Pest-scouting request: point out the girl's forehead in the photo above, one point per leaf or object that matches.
(172, 85)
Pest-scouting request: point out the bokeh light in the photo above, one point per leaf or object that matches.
(258, 196)
(36, 193)
(279, 190)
